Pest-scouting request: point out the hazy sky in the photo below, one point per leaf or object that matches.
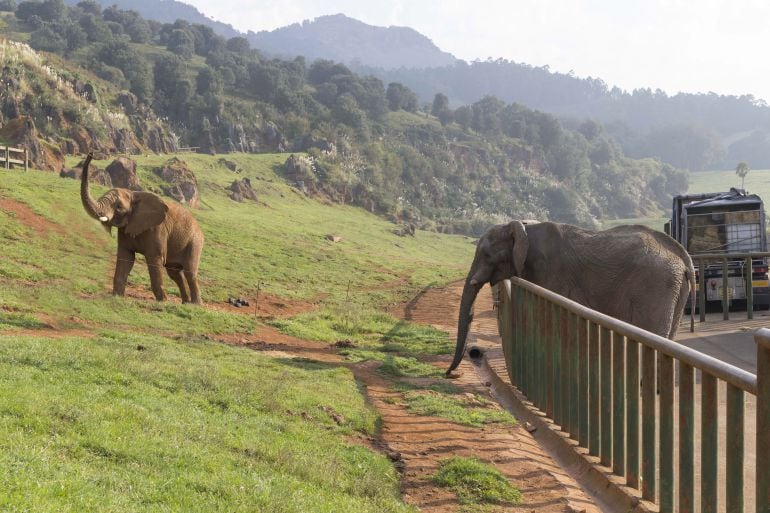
(674, 45)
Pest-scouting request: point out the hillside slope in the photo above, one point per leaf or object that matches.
(125, 404)
(344, 39)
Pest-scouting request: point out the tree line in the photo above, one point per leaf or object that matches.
(362, 141)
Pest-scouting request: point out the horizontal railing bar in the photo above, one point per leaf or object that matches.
(720, 256)
(729, 373)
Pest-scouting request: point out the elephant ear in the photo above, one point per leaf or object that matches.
(520, 245)
(147, 211)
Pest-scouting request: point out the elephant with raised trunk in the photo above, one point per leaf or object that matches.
(632, 273)
(165, 233)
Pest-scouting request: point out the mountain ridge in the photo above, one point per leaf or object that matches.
(344, 39)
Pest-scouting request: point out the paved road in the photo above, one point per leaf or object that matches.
(730, 341)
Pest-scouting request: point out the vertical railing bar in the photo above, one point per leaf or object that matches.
(593, 385)
(537, 346)
(709, 443)
(606, 395)
(734, 445)
(632, 413)
(574, 390)
(686, 439)
(749, 288)
(556, 324)
(725, 296)
(648, 423)
(618, 405)
(531, 330)
(762, 484)
(666, 456)
(564, 342)
(549, 381)
(702, 289)
(521, 330)
(583, 381)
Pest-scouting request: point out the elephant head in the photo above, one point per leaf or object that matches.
(500, 254)
(134, 212)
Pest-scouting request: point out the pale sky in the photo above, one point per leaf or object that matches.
(673, 45)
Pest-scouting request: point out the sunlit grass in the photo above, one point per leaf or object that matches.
(476, 482)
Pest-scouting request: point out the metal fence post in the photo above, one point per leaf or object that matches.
(762, 338)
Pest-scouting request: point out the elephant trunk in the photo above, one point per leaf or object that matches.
(470, 291)
(85, 194)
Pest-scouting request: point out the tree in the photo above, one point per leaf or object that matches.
(181, 43)
(440, 108)
(742, 169)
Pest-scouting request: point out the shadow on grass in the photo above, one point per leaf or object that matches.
(307, 364)
(11, 320)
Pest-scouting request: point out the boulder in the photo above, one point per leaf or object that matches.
(181, 182)
(122, 172)
(95, 174)
(241, 190)
(229, 164)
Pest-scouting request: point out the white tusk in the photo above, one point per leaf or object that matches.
(104, 219)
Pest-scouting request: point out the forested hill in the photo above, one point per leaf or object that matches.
(168, 11)
(692, 131)
(695, 131)
(347, 40)
(110, 79)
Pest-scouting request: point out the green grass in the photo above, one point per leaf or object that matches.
(756, 182)
(151, 416)
(475, 482)
(100, 425)
(394, 365)
(471, 410)
(278, 243)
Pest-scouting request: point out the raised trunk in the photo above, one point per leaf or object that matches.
(470, 292)
(85, 194)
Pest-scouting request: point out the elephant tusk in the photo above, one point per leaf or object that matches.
(104, 219)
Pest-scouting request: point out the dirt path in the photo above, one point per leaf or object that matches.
(418, 443)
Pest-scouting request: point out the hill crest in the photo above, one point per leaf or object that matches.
(341, 38)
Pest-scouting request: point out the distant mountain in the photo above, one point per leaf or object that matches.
(168, 11)
(343, 39)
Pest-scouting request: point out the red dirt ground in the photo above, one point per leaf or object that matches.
(38, 223)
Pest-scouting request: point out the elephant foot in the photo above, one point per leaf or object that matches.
(454, 374)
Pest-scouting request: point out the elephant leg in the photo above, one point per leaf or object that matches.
(176, 274)
(155, 267)
(123, 266)
(195, 293)
(191, 274)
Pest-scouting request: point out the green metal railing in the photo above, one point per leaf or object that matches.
(611, 386)
(702, 260)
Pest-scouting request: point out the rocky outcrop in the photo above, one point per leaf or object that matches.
(122, 172)
(299, 171)
(21, 132)
(181, 183)
(241, 190)
(95, 174)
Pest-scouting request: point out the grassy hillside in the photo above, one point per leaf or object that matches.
(125, 404)
(756, 182)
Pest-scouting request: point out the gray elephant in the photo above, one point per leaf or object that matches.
(632, 273)
(165, 233)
